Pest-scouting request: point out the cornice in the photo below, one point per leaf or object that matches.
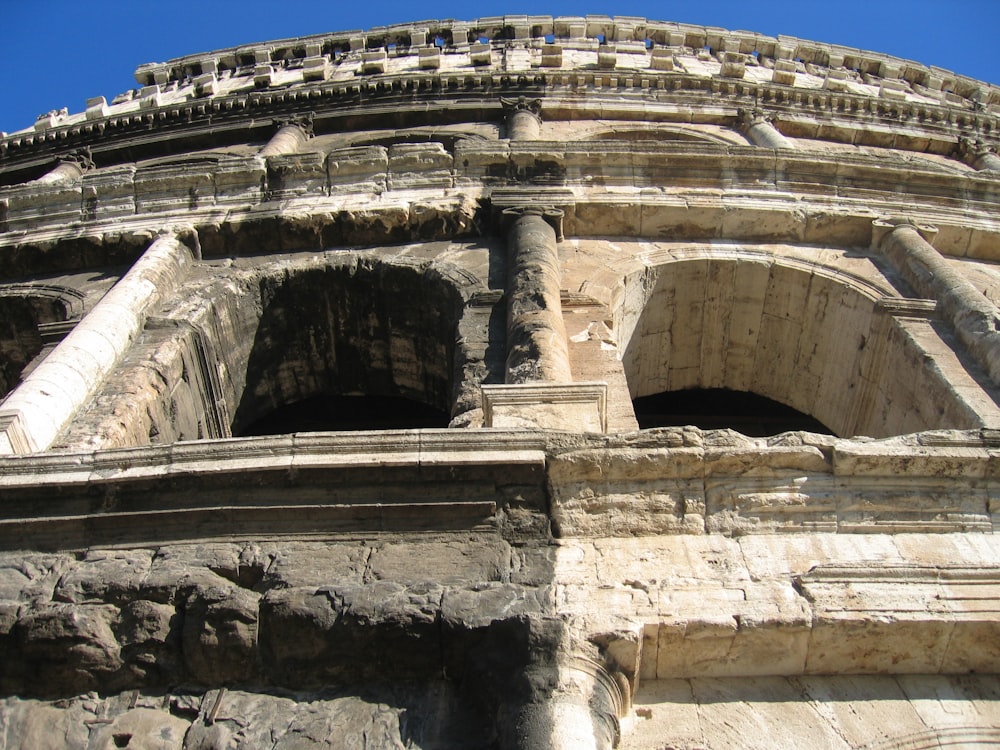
(174, 105)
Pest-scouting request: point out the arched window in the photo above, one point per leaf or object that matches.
(363, 345)
(811, 339)
(32, 316)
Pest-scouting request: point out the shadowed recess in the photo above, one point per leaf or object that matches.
(329, 412)
(719, 408)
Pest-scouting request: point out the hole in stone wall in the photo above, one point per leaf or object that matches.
(720, 408)
(330, 412)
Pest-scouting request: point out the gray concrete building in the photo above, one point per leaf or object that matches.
(517, 383)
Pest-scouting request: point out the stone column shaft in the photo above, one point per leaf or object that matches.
(65, 171)
(762, 133)
(37, 410)
(537, 348)
(69, 169)
(987, 161)
(522, 118)
(287, 140)
(975, 319)
(572, 706)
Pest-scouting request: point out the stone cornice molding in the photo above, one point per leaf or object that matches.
(336, 99)
(955, 468)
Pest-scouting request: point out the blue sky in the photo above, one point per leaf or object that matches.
(58, 53)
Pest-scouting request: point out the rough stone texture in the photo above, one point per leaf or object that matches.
(709, 209)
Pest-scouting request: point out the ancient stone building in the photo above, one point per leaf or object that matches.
(519, 383)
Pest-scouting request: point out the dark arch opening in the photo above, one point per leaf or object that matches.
(720, 408)
(328, 412)
(358, 345)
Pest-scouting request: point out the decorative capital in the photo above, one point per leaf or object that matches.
(754, 116)
(884, 226)
(973, 148)
(303, 123)
(81, 158)
(521, 104)
(550, 214)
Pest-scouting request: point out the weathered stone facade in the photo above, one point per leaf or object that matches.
(492, 245)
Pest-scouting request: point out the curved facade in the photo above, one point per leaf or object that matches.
(323, 363)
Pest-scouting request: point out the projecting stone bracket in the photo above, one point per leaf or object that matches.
(577, 407)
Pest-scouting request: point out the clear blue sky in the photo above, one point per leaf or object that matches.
(58, 53)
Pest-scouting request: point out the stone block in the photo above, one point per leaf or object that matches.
(150, 97)
(374, 62)
(316, 68)
(429, 58)
(291, 175)
(263, 76)
(891, 89)
(97, 108)
(662, 59)
(108, 193)
(570, 406)
(419, 165)
(173, 187)
(733, 65)
(239, 179)
(358, 169)
(607, 56)
(552, 56)
(205, 84)
(836, 80)
(480, 53)
(784, 72)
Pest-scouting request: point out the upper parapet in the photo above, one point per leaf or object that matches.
(628, 34)
(620, 56)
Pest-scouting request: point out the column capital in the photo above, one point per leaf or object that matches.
(886, 225)
(550, 214)
(753, 116)
(303, 123)
(977, 153)
(81, 158)
(521, 104)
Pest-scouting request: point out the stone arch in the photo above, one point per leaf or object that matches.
(808, 336)
(363, 327)
(657, 132)
(31, 316)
